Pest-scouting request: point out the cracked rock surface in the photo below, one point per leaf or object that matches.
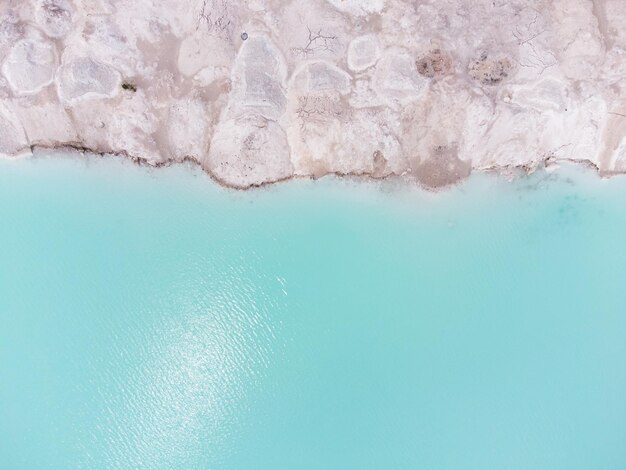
(260, 91)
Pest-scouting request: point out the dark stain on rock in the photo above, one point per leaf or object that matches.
(489, 70)
(434, 64)
(442, 168)
(380, 164)
(129, 87)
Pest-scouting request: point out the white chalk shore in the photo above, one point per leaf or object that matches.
(261, 91)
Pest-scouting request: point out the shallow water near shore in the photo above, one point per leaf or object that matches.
(150, 318)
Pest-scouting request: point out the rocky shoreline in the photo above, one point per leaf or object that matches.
(509, 172)
(267, 90)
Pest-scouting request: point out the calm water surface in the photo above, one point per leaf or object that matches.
(150, 319)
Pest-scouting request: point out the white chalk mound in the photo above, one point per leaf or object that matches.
(259, 79)
(249, 151)
(30, 66)
(13, 141)
(363, 52)
(84, 78)
(54, 16)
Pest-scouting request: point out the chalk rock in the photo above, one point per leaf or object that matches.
(396, 79)
(13, 140)
(363, 52)
(83, 78)
(30, 65)
(54, 16)
(258, 79)
(249, 151)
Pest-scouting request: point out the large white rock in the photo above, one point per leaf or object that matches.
(249, 151)
(13, 141)
(83, 78)
(54, 16)
(363, 52)
(30, 65)
(321, 77)
(396, 79)
(258, 77)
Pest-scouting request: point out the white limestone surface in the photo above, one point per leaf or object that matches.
(259, 91)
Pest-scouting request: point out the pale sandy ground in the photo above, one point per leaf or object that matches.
(263, 90)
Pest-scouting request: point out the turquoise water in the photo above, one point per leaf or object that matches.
(150, 319)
